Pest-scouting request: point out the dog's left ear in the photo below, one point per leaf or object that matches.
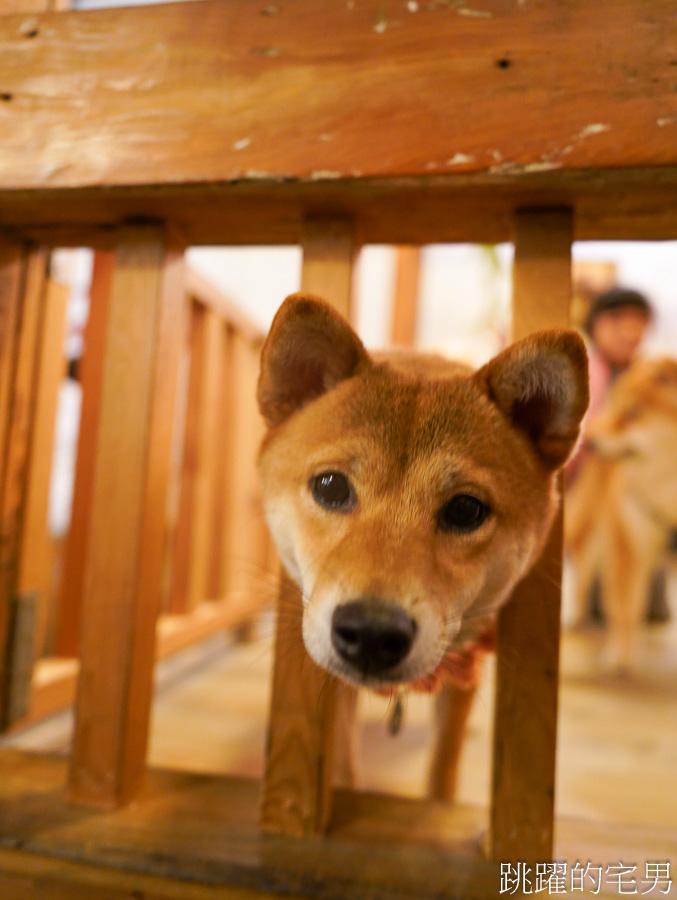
(308, 351)
(541, 385)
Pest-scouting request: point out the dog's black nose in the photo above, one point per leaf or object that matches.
(372, 636)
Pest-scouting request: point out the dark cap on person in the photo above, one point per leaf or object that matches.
(617, 298)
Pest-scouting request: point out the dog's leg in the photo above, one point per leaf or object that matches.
(626, 578)
(345, 736)
(453, 706)
(582, 567)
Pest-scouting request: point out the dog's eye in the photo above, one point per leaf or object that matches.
(463, 513)
(333, 491)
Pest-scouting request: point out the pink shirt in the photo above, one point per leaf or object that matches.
(601, 376)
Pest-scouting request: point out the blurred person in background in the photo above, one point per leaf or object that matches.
(615, 326)
(614, 329)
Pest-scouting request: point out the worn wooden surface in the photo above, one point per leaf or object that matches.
(304, 746)
(91, 380)
(37, 553)
(181, 556)
(121, 583)
(204, 829)
(342, 90)
(12, 273)
(244, 548)
(24, 875)
(208, 365)
(297, 111)
(297, 788)
(527, 671)
(23, 277)
(406, 296)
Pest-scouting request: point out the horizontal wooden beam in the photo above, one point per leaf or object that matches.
(216, 91)
(422, 122)
(624, 204)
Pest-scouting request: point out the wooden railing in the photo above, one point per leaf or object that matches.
(218, 567)
(141, 131)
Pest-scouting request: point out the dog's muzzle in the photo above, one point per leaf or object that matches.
(371, 636)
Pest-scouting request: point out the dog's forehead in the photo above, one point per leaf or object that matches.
(411, 416)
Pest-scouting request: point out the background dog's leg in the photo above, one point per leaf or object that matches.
(626, 579)
(453, 707)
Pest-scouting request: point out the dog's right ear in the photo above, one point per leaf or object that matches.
(308, 351)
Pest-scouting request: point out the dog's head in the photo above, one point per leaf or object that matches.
(638, 421)
(407, 495)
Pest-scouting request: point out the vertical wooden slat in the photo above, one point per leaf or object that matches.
(171, 329)
(37, 557)
(91, 380)
(328, 256)
(12, 276)
(209, 370)
(178, 601)
(22, 293)
(525, 729)
(223, 427)
(305, 700)
(127, 524)
(243, 542)
(405, 301)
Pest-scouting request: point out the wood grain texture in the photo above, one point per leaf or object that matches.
(37, 551)
(12, 273)
(91, 380)
(618, 204)
(527, 672)
(210, 374)
(244, 568)
(204, 830)
(169, 311)
(304, 746)
(351, 91)
(298, 758)
(405, 301)
(121, 584)
(23, 277)
(329, 247)
(179, 591)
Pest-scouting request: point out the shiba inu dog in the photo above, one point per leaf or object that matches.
(407, 494)
(621, 517)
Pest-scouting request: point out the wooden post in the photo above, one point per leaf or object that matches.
(305, 699)
(405, 303)
(243, 546)
(194, 536)
(127, 523)
(181, 550)
(525, 728)
(91, 381)
(22, 292)
(37, 546)
(208, 367)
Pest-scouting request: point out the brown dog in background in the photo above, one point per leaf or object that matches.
(406, 494)
(621, 513)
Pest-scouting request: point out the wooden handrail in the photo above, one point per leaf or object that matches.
(207, 294)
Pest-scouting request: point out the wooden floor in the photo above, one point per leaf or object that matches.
(617, 777)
